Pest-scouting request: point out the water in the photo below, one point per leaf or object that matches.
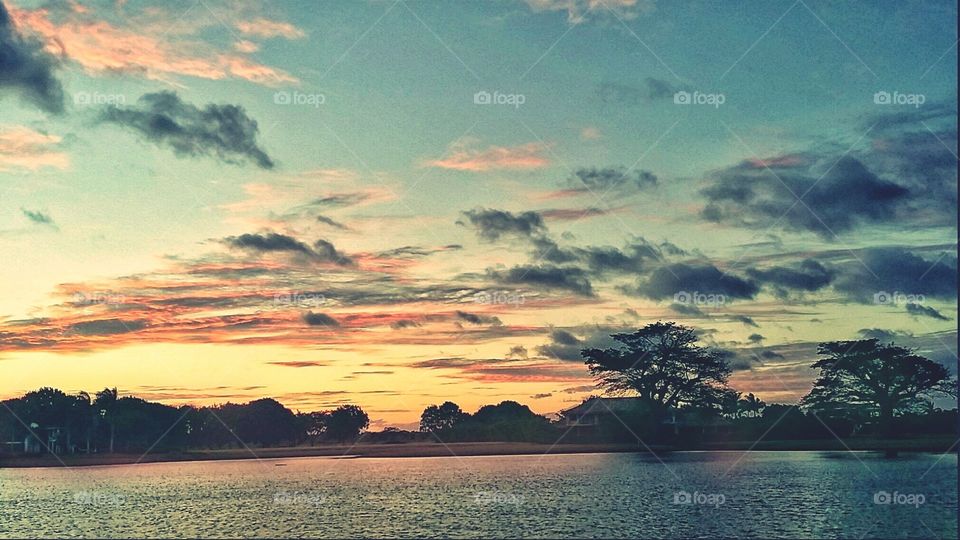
(689, 494)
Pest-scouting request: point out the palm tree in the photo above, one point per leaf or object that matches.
(106, 405)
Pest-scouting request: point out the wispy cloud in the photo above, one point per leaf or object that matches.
(464, 156)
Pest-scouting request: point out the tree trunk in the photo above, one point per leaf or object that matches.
(111, 437)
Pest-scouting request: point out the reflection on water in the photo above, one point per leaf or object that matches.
(686, 494)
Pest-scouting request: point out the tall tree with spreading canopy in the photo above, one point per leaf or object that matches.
(882, 381)
(440, 418)
(663, 364)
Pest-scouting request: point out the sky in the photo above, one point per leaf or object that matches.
(398, 203)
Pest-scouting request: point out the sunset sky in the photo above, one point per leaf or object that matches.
(203, 201)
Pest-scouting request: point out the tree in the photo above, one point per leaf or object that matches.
(266, 422)
(105, 404)
(663, 364)
(882, 381)
(440, 418)
(751, 405)
(346, 422)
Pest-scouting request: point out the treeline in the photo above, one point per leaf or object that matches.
(50, 420)
(506, 421)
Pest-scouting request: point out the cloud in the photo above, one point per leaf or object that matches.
(883, 335)
(478, 319)
(24, 148)
(404, 323)
(705, 279)
(322, 250)
(329, 221)
(463, 156)
(491, 224)
(26, 68)
(629, 94)
(552, 277)
(615, 179)
(745, 320)
(808, 276)
(105, 327)
(564, 345)
(689, 310)
(38, 217)
(265, 28)
(319, 319)
(579, 10)
(896, 270)
(224, 131)
(925, 311)
(836, 200)
(147, 47)
(755, 338)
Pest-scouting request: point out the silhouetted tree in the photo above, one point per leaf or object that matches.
(105, 405)
(267, 422)
(346, 422)
(441, 418)
(880, 380)
(663, 364)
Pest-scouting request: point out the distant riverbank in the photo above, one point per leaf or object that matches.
(435, 449)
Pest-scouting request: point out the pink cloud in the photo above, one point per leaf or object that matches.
(265, 28)
(24, 148)
(100, 47)
(461, 157)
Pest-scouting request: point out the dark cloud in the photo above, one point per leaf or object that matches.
(478, 319)
(331, 222)
(564, 345)
(883, 335)
(808, 276)
(322, 250)
(617, 179)
(491, 224)
(224, 131)
(552, 277)
(669, 280)
(106, 327)
(837, 196)
(909, 118)
(599, 259)
(319, 319)
(404, 323)
(631, 94)
(897, 271)
(925, 311)
(745, 320)
(541, 396)
(340, 200)
(771, 355)
(689, 310)
(755, 338)
(26, 68)
(518, 352)
(38, 217)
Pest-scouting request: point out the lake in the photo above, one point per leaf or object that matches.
(687, 494)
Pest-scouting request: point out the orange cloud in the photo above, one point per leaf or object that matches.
(24, 148)
(463, 158)
(100, 47)
(265, 28)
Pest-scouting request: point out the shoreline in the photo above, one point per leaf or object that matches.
(466, 449)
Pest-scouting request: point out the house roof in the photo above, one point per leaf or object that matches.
(604, 405)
